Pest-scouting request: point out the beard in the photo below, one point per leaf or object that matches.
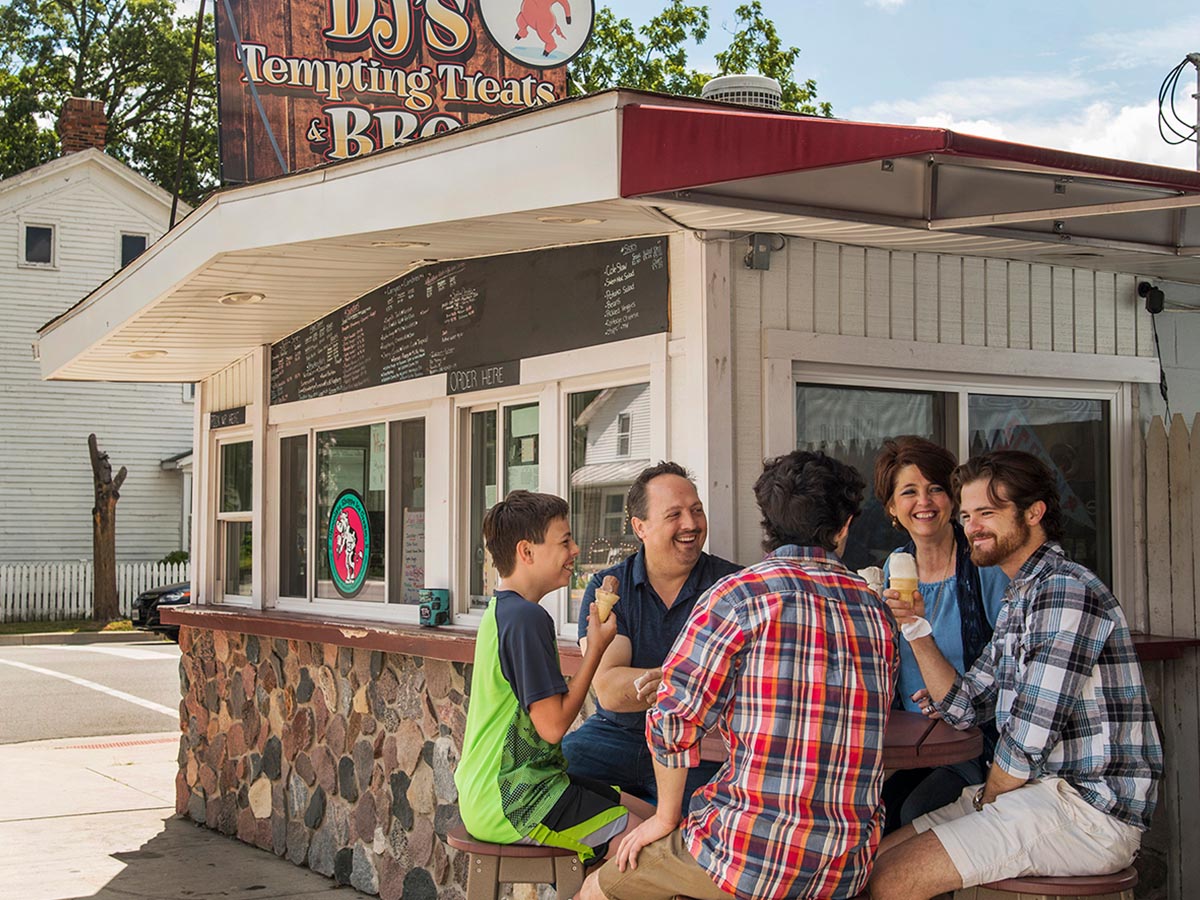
(1003, 546)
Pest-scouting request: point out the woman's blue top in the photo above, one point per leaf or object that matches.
(941, 609)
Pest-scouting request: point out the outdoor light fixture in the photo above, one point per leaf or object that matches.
(241, 298)
(570, 220)
(1155, 298)
(146, 354)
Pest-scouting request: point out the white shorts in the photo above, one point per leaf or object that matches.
(1043, 828)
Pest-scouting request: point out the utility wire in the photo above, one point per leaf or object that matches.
(1166, 102)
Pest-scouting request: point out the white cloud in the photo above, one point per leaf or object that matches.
(887, 5)
(1159, 47)
(980, 97)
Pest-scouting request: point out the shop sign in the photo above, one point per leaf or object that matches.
(227, 418)
(303, 82)
(348, 543)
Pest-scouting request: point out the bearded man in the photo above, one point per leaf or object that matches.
(1075, 776)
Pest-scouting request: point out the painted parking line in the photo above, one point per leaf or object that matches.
(91, 685)
(122, 652)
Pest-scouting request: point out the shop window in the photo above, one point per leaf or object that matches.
(1071, 435)
(609, 447)
(351, 532)
(235, 511)
(406, 549)
(502, 440)
(293, 516)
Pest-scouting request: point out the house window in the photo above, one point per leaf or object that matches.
(189, 393)
(293, 516)
(235, 512)
(351, 459)
(502, 441)
(606, 455)
(132, 246)
(38, 249)
(1070, 434)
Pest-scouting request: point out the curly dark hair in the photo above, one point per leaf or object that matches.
(805, 498)
(635, 500)
(935, 462)
(1024, 478)
(521, 516)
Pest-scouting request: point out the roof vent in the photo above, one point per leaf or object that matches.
(745, 90)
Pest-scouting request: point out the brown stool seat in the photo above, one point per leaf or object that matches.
(1072, 886)
(459, 839)
(491, 865)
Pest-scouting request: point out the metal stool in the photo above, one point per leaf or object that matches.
(492, 865)
(1117, 886)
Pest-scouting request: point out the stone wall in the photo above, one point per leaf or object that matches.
(342, 760)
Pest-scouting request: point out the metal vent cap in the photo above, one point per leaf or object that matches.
(746, 90)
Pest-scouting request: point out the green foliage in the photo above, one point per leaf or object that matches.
(174, 557)
(132, 55)
(654, 56)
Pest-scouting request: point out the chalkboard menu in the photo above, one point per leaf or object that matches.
(455, 317)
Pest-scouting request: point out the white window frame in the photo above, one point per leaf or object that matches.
(220, 441)
(779, 404)
(624, 433)
(121, 235)
(188, 392)
(22, 225)
(327, 606)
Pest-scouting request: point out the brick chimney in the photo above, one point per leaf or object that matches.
(82, 124)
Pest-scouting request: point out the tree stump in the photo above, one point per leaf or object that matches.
(105, 602)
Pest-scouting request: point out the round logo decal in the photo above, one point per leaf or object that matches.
(349, 543)
(541, 34)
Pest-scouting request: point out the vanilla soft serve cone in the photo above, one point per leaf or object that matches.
(902, 575)
(606, 597)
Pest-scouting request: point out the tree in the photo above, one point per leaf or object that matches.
(105, 605)
(654, 57)
(132, 55)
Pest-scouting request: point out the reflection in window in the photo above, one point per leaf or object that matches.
(851, 424)
(235, 510)
(1072, 437)
(521, 448)
(239, 558)
(293, 516)
(407, 536)
(483, 498)
(610, 445)
(353, 459)
(237, 477)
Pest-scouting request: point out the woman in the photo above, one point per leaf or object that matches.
(912, 482)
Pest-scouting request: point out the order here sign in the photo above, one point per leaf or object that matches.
(303, 82)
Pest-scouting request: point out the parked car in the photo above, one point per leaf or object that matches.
(144, 614)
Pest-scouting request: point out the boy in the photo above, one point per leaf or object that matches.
(512, 780)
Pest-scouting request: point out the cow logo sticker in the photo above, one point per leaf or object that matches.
(349, 543)
(541, 34)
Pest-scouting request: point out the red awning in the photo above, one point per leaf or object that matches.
(667, 148)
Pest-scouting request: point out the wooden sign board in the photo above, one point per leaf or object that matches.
(304, 82)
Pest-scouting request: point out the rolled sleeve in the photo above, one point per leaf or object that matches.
(972, 698)
(698, 678)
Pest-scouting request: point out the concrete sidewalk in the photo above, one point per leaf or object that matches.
(81, 637)
(94, 818)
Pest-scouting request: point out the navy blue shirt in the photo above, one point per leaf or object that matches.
(643, 618)
(528, 649)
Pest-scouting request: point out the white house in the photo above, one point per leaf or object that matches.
(65, 228)
(759, 281)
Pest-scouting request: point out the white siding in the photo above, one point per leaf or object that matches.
(45, 476)
(837, 290)
(231, 387)
(633, 399)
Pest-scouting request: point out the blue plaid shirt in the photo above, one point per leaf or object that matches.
(1063, 681)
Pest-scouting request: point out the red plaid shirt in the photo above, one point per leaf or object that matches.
(794, 661)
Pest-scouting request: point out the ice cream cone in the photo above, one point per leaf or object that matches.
(605, 600)
(905, 586)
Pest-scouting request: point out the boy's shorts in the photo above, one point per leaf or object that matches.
(586, 817)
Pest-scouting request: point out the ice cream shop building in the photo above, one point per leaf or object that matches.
(387, 344)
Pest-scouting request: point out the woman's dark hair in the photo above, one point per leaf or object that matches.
(1025, 480)
(521, 516)
(936, 463)
(635, 500)
(805, 498)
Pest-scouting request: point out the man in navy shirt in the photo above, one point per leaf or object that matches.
(658, 587)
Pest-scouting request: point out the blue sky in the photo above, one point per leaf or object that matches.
(1070, 74)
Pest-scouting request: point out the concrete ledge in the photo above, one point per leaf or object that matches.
(80, 637)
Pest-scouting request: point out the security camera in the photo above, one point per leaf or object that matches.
(1155, 298)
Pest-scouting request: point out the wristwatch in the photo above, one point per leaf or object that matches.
(977, 801)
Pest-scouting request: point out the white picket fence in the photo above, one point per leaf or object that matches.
(47, 592)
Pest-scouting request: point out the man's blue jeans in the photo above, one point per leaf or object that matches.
(606, 752)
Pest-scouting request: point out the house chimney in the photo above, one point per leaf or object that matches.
(82, 124)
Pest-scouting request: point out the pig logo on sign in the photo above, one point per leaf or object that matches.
(541, 34)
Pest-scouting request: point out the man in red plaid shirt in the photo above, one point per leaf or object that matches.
(794, 661)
